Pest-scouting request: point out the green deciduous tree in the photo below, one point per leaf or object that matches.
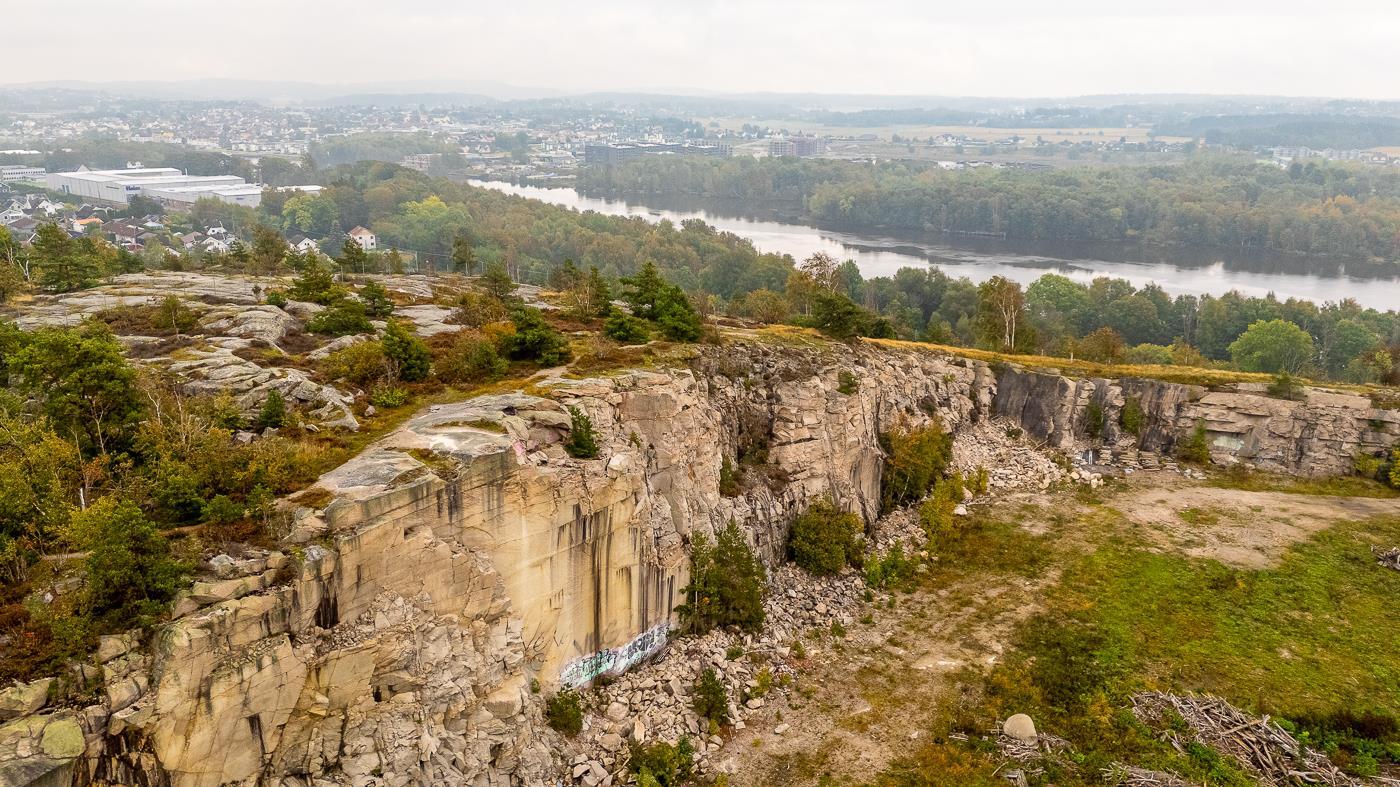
(825, 539)
(1272, 346)
(83, 382)
(39, 476)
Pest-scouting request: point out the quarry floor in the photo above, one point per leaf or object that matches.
(864, 700)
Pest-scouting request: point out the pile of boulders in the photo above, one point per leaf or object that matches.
(1013, 461)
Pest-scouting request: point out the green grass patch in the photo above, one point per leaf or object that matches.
(1310, 641)
(1339, 486)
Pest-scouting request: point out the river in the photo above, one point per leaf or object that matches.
(1177, 271)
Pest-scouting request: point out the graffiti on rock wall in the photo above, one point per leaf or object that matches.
(615, 661)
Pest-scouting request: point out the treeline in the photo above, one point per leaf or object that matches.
(1111, 321)
(1211, 202)
(1314, 131)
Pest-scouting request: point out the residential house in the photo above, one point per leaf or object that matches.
(302, 244)
(365, 238)
(216, 245)
(191, 239)
(23, 229)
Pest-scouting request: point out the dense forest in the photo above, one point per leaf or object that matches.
(1212, 202)
(1315, 131)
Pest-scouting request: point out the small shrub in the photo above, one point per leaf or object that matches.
(1286, 386)
(838, 630)
(564, 712)
(980, 481)
(276, 298)
(1196, 447)
(936, 514)
(1132, 418)
(470, 358)
(764, 679)
(726, 584)
(728, 479)
(891, 568)
(1367, 466)
(342, 318)
(914, 461)
(825, 539)
(1094, 421)
(848, 384)
(733, 652)
(535, 340)
(273, 414)
(220, 510)
(1014, 432)
(582, 442)
(710, 699)
(660, 764)
(362, 363)
(626, 329)
(376, 300)
(387, 397)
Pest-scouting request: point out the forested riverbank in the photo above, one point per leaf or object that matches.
(1313, 209)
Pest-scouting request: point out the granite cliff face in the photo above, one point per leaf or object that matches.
(1318, 436)
(397, 635)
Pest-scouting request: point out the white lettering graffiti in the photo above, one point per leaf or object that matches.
(615, 661)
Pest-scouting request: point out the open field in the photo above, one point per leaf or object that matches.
(1121, 589)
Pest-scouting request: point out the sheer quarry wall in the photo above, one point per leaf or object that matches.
(397, 633)
(1318, 436)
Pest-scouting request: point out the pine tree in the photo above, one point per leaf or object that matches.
(63, 265)
(407, 352)
(463, 255)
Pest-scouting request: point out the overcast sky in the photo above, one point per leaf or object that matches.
(969, 47)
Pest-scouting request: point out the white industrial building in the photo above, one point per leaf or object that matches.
(166, 184)
(120, 185)
(19, 173)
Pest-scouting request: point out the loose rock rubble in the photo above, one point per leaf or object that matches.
(1012, 461)
(653, 701)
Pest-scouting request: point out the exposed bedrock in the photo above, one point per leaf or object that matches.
(396, 636)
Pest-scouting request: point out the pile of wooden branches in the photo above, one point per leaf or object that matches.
(1390, 558)
(1131, 776)
(1256, 743)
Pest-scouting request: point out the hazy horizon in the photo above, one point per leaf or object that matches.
(888, 48)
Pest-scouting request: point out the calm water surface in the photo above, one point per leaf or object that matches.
(1178, 272)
